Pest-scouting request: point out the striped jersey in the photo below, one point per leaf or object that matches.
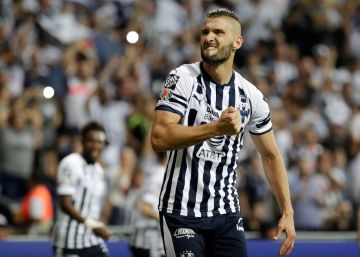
(86, 183)
(200, 180)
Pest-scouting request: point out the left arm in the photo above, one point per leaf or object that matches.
(277, 178)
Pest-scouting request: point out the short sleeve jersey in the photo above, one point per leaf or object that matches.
(87, 185)
(200, 180)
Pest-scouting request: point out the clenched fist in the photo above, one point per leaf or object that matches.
(229, 122)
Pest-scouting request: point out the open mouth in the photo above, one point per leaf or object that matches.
(210, 47)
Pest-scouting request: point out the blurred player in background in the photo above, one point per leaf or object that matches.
(82, 191)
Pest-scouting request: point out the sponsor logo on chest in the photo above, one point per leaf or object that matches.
(209, 154)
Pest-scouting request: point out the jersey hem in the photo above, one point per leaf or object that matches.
(203, 214)
(264, 132)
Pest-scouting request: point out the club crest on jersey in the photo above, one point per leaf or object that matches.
(244, 108)
(171, 81)
(184, 232)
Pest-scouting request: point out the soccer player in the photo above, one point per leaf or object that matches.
(82, 193)
(200, 119)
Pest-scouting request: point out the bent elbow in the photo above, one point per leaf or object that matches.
(157, 142)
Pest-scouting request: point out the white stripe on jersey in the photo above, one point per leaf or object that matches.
(175, 178)
(203, 182)
(200, 189)
(186, 189)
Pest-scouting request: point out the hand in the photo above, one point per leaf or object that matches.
(102, 232)
(286, 224)
(229, 122)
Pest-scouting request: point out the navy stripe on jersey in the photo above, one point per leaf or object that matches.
(219, 97)
(169, 109)
(193, 181)
(206, 192)
(264, 122)
(173, 100)
(171, 167)
(232, 96)
(207, 91)
(261, 133)
(180, 97)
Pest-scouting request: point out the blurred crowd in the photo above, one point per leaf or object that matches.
(303, 55)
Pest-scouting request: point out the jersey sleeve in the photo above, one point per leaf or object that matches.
(67, 178)
(260, 121)
(175, 92)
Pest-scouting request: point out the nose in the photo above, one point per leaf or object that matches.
(209, 37)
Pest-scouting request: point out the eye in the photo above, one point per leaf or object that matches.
(204, 31)
(219, 32)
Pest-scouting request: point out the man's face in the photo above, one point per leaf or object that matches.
(93, 143)
(217, 39)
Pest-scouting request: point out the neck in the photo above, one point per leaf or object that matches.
(221, 73)
(88, 159)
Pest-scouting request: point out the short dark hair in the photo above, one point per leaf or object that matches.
(222, 12)
(91, 126)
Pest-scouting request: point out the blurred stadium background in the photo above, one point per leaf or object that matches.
(65, 62)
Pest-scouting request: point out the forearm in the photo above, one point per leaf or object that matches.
(67, 207)
(176, 136)
(277, 178)
(74, 214)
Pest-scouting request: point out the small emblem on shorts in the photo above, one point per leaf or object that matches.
(239, 225)
(184, 232)
(187, 254)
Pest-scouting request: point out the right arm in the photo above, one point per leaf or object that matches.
(99, 229)
(167, 134)
(66, 205)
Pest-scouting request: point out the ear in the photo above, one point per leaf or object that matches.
(238, 42)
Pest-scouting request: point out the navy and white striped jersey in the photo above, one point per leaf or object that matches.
(200, 180)
(86, 183)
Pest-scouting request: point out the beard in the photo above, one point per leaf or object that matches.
(222, 55)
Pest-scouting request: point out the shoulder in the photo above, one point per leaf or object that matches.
(72, 159)
(250, 89)
(187, 71)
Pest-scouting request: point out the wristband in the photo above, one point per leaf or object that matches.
(92, 224)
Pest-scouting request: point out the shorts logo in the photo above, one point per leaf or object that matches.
(187, 254)
(239, 225)
(184, 232)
